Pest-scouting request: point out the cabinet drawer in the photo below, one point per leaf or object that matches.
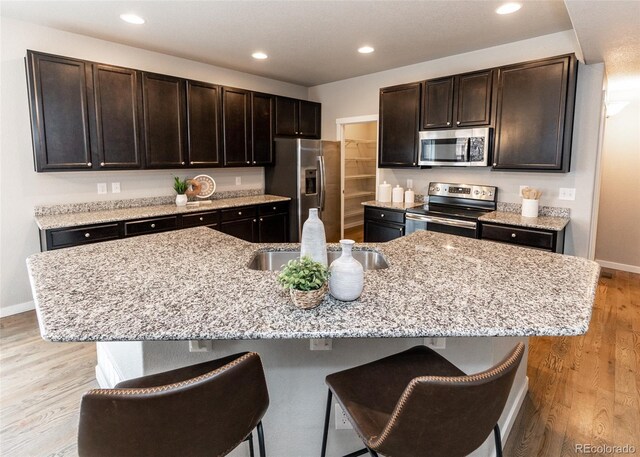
(82, 235)
(524, 237)
(242, 212)
(197, 219)
(273, 208)
(384, 215)
(159, 224)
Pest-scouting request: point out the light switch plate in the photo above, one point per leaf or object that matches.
(115, 187)
(102, 187)
(567, 193)
(200, 345)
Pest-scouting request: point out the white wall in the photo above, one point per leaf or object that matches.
(21, 188)
(359, 96)
(618, 241)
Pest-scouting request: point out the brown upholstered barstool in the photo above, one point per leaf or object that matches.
(416, 404)
(200, 410)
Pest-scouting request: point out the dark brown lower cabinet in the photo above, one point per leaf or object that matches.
(546, 240)
(245, 229)
(65, 237)
(381, 225)
(273, 228)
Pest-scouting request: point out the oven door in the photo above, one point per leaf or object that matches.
(415, 222)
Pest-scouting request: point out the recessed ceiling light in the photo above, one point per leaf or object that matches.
(365, 50)
(509, 8)
(259, 55)
(132, 19)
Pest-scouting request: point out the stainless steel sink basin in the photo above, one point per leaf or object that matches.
(274, 260)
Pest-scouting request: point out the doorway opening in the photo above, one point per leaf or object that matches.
(359, 150)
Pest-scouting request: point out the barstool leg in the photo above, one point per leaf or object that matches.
(372, 452)
(263, 451)
(496, 434)
(250, 439)
(326, 424)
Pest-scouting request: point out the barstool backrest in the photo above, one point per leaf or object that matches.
(209, 414)
(448, 416)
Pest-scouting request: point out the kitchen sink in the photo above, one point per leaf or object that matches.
(274, 260)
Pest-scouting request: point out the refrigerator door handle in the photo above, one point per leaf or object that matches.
(323, 183)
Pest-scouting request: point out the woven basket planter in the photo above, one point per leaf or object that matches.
(304, 299)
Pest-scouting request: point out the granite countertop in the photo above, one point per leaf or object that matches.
(195, 284)
(400, 206)
(97, 217)
(540, 222)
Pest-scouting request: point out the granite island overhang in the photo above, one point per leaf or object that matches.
(141, 298)
(194, 284)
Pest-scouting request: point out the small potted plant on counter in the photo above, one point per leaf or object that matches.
(181, 187)
(306, 280)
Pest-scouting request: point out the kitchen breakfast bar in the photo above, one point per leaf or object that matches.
(152, 302)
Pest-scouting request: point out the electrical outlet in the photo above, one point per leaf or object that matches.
(200, 345)
(342, 423)
(567, 193)
(435, 343)
(102, 187)
(238, 180)
(115, 187)
(320, 344)
(520, 191)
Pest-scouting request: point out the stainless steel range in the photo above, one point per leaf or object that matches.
(453, 208)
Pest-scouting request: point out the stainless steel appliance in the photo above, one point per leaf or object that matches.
(453, 208)
(455, 148)
(307, 171)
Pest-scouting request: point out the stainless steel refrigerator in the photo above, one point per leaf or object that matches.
(307, 171)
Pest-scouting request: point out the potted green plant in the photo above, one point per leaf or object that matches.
(181, 187)
(306, 280)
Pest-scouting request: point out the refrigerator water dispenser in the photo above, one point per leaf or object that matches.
(310, 181)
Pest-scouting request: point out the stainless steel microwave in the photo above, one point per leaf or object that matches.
(455, 148)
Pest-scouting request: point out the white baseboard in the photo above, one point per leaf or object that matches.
(619, 266)
(17, 309)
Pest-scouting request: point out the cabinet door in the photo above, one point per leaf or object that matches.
(399, 122)
(376, 232)
(164, 121)
(534, 118)
(473, 99)
(437, 103)
(59, 112)
(203, 120)
(273, 228)
(262, 128)
(245, 229)
(236, 126)
(309, 118)
(286, 116)
(117, 103)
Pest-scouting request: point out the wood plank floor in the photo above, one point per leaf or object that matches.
(582, 390)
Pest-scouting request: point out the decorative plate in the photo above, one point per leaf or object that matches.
(207, 186)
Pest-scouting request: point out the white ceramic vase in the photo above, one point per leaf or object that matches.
(347, 275)
(314, 240)
(181, 200)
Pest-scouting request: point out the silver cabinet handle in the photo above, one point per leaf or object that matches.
(458, 123)
(182, 163)
(88, 164)
(248, 161)
(513, 235)
(255, 220)
(202, 218)
(381, 215)
(448, 123)
(191, 162)
(261, 219)
(87, 235)
(102, 164)
(414, 164)
(495, 164)
(274, 208)
(254, 161)
(239, 213)
(153, 225)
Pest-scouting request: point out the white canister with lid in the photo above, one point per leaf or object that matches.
(409, 194)
(384, 192)
(398, 194)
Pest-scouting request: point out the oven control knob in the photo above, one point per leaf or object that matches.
(476, 192)
(437, 189)
(484, 193)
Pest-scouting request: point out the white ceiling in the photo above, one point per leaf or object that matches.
(609, 32)
(308, 42)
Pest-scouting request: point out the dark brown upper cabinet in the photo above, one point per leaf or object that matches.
(457, 101)
(203, 121)
(165, 121)
(262, 106)
(117, 97)
(58, 97)
(399, 124)
(534, 118)
(297, 118)
(236, 126)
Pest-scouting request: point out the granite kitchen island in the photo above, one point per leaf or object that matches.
(142, 299)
